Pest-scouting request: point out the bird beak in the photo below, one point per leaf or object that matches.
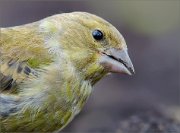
(117, 61)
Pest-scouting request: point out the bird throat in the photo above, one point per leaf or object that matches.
(92, 73)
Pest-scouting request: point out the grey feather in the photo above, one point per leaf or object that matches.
(8, 105)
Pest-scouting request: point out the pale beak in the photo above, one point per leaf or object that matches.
(117, 61)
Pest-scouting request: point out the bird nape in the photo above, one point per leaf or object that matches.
(48, 69)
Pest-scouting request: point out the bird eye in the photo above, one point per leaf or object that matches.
(97, 34)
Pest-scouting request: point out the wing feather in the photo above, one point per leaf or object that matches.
(13, 73)
(22, 51)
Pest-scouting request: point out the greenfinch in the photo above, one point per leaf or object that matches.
(48, 69)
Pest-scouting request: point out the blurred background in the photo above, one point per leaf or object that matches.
(122, 104)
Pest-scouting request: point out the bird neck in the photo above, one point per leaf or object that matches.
(93, 73)
(86, 65)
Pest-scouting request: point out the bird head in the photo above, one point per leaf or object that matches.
(93, 45)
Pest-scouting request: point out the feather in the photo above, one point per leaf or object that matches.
(13, 73)
(53, 65)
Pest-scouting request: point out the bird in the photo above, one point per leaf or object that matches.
(48, 69)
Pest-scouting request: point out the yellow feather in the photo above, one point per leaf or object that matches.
(61, 63)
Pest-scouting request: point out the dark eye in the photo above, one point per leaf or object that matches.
(97, 34)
